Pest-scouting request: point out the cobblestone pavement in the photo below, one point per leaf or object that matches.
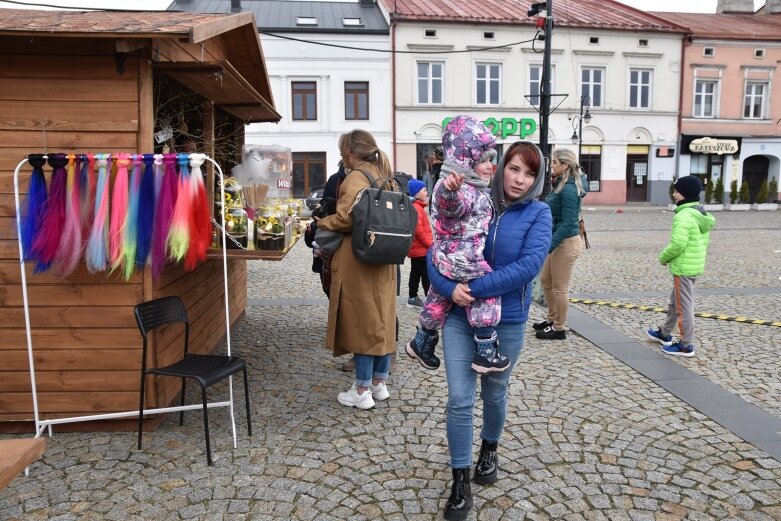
(587, 437)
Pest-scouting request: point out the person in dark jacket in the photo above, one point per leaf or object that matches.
(518, 240)
(421, 242)
(566, 244)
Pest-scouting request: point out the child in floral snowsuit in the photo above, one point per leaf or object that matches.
(461, 219)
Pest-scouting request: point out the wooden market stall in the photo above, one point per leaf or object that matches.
(90, 82)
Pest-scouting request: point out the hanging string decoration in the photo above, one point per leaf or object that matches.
(47, 241)
(118, 209)
(67, 257)
(200, 218)
(145, 215)
(127, 250)
(32, 208)
(96, 254)
(163, 214)
(179, 233)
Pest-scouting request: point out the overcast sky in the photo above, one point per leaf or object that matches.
(691, 6)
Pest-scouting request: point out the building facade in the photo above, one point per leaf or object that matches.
(731, 98)
(482, 58)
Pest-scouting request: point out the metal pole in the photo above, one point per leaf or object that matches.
(580, 132)
(545, 97)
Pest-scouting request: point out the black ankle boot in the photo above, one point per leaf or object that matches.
(487, 464)
(460, 501)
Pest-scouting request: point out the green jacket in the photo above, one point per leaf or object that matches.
(685, 254)
(565, 209)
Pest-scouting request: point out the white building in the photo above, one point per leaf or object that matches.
(480, 57)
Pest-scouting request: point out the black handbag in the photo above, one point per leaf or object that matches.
(383, 223)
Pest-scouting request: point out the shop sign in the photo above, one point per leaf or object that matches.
(706, 145)
(507, 126)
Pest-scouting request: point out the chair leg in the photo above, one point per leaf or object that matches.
(181, 403)
(246, 400)
(141, 409)
(206, 426)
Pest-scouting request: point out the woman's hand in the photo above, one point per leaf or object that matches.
(461, 295)
(453, 182)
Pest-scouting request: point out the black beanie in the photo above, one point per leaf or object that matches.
(689, 186)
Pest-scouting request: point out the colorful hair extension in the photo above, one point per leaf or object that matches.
(96, 246)
(32, 208)
(127, 250)
(118, 208)
(159, 169)
(200, 218)
(179, 233)
(67, 257)
(145, 218)
(47, 241)
(163, 213)
(86, 192)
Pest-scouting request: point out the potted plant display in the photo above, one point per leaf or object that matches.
(735, 202)
(763, 199)
(712, 202)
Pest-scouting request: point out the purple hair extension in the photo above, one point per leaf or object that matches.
(163, 214)
(47, 241)
(32, 208)
(145, 219)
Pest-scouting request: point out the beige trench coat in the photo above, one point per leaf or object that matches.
(362, 303)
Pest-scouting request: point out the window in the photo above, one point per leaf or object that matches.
(430, 83)
(488, 35)
(304, 100)
(706, 167)
(642, 42)
(351, 22)
(356, 100)
(535, 81)
(704, 98)
(754, 100)
(592, 84)
(487, 76)
(640, 88)
(759, 53)
(709, 51)
(593, 39)
(430, 33)
(591, 163)
(306, 20)
(308, 172)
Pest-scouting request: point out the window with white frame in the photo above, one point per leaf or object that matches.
(640, 88)
(755, 100)
(535, 82)
(592, 84)
(487, 83)
(431, 76)
(705, 92)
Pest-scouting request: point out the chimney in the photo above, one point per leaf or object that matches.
(735, 6)
(772, 7)
(235, 6)
(367, 3)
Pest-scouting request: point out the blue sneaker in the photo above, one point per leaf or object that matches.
(678, 349)
(656, 334)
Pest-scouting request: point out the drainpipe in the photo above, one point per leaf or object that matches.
(393, 87)
(686, 41)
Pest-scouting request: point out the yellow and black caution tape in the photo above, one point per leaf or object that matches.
(715, 316)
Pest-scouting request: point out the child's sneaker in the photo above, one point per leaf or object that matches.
(421, 348)
(487, 358)
(379, 391)
(414, 302)
(656, 334)
(678, 349)
(351, 398)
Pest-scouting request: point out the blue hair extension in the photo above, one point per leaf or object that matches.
(145, 218)
(32, 208)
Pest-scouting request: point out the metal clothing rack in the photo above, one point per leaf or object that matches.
(41, 424)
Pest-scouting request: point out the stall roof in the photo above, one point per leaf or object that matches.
(243, 90)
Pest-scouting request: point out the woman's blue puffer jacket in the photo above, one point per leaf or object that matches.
(516, 247)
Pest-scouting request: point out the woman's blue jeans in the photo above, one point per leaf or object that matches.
(370, 366)
(458, 347)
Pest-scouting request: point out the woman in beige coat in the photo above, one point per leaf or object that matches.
(362, 305)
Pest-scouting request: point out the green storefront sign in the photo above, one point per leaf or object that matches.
(507, 126)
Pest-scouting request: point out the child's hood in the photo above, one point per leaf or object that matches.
(705, 220)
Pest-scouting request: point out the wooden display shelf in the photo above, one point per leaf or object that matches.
(253, 254)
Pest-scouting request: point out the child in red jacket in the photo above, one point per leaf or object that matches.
(421, 242)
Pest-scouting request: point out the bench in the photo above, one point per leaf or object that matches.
(16, 455)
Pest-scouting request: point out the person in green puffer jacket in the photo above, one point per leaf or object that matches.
(685, 256)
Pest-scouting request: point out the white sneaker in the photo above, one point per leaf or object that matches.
(379, 391)
(351, 398)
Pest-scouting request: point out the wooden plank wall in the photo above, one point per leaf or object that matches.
(65, 95)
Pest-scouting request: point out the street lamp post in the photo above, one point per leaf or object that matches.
(585, 115)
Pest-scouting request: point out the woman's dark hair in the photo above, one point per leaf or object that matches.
(529, 155)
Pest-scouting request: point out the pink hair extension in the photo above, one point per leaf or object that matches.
(200, 218)
(96, 245)
(127, 250)
(67, 257)
(179, 233)
(163, 213)
(47, 241)
(118, 208)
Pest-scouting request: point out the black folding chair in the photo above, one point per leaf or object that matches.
(205, 369)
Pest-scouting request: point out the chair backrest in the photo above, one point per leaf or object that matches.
(158, 312)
